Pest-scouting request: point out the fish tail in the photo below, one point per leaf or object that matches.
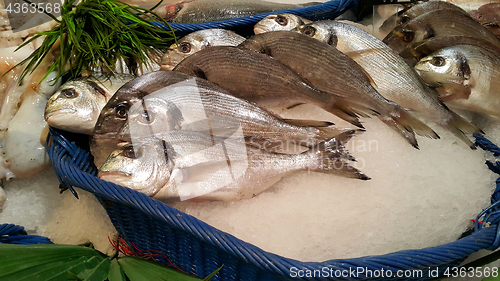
(407, 125)
(350, 111)
(459, 127)
(331, 157)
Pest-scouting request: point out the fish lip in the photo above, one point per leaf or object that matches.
(64, 110)
(113, 173)
(259, 29)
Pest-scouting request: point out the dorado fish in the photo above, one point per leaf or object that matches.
(330, 71)
(183, 165)
(468, 77)
(198, 11)
(259, 78)
(162, 101)
(435, 24)
(406, 15)
(196, 41)
(76, 105)
(489, 16)
(279, 22)
(394, 79)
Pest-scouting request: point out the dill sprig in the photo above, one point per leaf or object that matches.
(98, 33)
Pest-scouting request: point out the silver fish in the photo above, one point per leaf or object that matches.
(198, 11)
(197, 41)
(279, 22)
(332, 72)
(436, 24)
(394, 79)
(76, 105)
(166, 100)
(467, 77)
(183, 165)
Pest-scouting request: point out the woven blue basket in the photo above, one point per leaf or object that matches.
(244, 25)
(199, 249)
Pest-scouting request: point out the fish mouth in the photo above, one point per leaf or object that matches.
(51, 113)
(112, 175)
(259, 29)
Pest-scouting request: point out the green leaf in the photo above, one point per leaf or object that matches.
(115, 272)
(138, 269)
(98, 273)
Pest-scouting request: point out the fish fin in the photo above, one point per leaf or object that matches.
(453, 91)
(358, 53)
(349, 111)
(308, 123)
(407, 125)
(459, 127)
(332, 157)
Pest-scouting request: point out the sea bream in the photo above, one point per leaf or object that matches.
(436, 24)
(489, 16)
(394, 79)
(197, 41)
(198, 11)
(268, 83)
(161, 101)
(279, 22)
(405, 16)
(187, 165)
(76, 105)
(332, 72)
(467, 77)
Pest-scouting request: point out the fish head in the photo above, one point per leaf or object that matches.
(185, 47)
(75, 106)
(170, 12)
(319, 31)
(279, 22)
(151, 116)
(444, 67)
(143, 166)
(404, 35)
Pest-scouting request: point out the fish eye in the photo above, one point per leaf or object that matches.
(309, 31)
(185, 47)
(404, 19)
(121, 111)
(408, 36)
(69, 93)
(129, 152)
(281, 20)
(438, 61)
(147, 117)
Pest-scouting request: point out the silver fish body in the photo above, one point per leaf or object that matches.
(467, 77)
(330, 71)
(436, 24)
(197, 41)
(394, 79)
(279, 22)
(198, 11)
(165, 100)
(183, 165)
(76, 105)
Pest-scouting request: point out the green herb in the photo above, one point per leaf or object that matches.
(97, 34)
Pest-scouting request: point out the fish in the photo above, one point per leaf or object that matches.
(489, 16)
(260, 79)
(436, 24)
(186, 165)
(468, 5)
(394, 79)
(76, 105)
(196, 41)
(416, 51)
(277, 22)
(414, 11)
(165, 100)
(330, 71)
(468, 78)
(198, 11)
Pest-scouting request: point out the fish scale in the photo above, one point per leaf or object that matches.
(330, 71)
